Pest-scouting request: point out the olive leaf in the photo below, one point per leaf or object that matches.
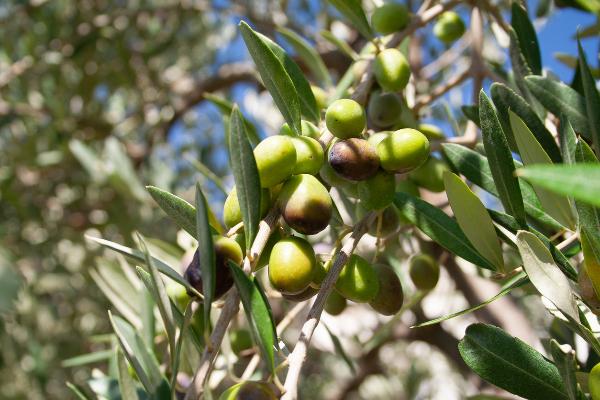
(473, 219)
(341, 45)
(274, 76)
(592, 98)
(533, 153)
(510, 364)
(528, 42)
(126, 382)
(568, 140)
(206, 256)
(226, 107)
(339, 349)
(77, 392)
(565, 361)
(89, 358)
(352, 10)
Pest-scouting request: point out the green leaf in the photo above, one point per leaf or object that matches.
(207, 173)
(126, 383)
(506, 99)
(339, 349)
(533, 153)
(245, 174)
(473, 219)
(439, 227)
(476, 169)
(309, 55)
(258, 313)
(226, 107)
(560, 99)
(521, 70)
(564, 359)
(516, 281)
(179, 210)
(206, 251)
(472, 113)
(90, 358)
(139, 256)
(582, 182)
(77, 392)
(510, 364)
(500, 160)
(276, 79)
(308, 103)
(528, 42)
(341, 45)
(545, 275)
(184, 327)
(592, 98)
(568, 140)
(352, 10)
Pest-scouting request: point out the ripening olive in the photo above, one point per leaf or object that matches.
(335, 303)
(225, 249)
(403, 150)
(345, 118)
(391, 70)
(424, 271)
(305, 204)
(432, 132)
(302, 296)
(390, 297)
(449, 27)
(309, 155)
(354, 159)
(275, 158)
(250, 390)
(594, 382)
(378, 191)
(358, 280)
(308, 129)
(385, 109)
(430, 175)
(390, 18)
(240, 340)
(232, 215)
(320, 96)
(330, 177)
(292, 265)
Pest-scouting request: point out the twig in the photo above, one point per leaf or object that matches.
(442, 90)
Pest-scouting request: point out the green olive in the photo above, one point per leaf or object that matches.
(308, 129)
(390, 297)
(390, 18)
(378, 191)
(358, 280)
(403, 150)
(391, 70)
(354, 159)
(431, 131)
(424, 271)
(449, 27)
(335, 303)
(386, 222)
(594, 382)
(292, 265)
(240, 340)
(226, 249)
(309, 155)
(232, 215)
(275, 158)
(250, 390)
(305, 204)
(430, 175)
(407, 186)
(385, 109)
(345, 118)
(178, 294)
(376, 138)
(320, 96)
(304, 295)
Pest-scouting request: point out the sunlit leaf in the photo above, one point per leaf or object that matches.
(528, 42)
(352, 10)
(592, 98)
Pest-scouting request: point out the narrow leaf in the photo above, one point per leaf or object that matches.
(439, 227)
(206, 251)
(257, 312)
(341, 45)
(339, 349)
(510, 364)
(90, 358)
(245, 174)
(225, 106)
(528, 42)
(533, 153)
(352, 10)
(545, 275)
(564, 359)
(473, 219)
(126, 383)
(184, 327)
(277, 81)
(568, 140)
(500, 160)
(76, 391)
(592, 98)
(309, 55)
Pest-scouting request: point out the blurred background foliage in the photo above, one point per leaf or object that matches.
(99, 98)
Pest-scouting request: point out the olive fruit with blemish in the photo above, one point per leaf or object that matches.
(309, 155)
(354, 159)
(430, 175)
(345, 118)
(275, 158)
(232, 214)
(403, 150)
(304, 295)
(390, 296)
(378, 191)
(331, 178)
(305, 204)
(240, 340)
(292, 265)
(390, 18)
(308, 129)
(449, 27)
(250, 390)
(358, 280)
(385, 108)
(335, 303)
(226, 249)
(391, 70)
(424, 271)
